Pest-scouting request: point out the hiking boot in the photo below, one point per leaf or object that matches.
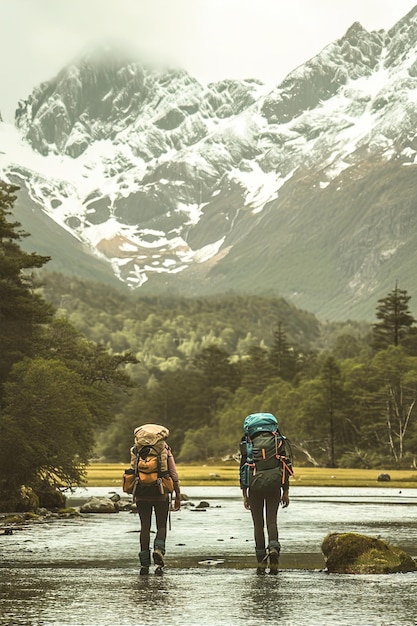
(262, 559)
(145, 559)
(158, 558)
(159, 571)
(144, 571)
(273, 561)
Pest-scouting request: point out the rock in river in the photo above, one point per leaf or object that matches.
(352, 553)
(99, 505)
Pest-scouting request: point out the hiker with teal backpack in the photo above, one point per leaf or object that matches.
(265, 469)
(155, 479)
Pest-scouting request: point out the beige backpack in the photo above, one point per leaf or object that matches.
(150, 458)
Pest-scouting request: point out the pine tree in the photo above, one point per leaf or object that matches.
(281, 355)
(22, 311)
(257, 370)
(396, 322)
(332, 385)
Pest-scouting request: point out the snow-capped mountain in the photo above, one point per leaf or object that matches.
(307, 189)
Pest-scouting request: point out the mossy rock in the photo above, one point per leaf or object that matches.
(352, 553)
(12, 519)
(31, 516)
(69, 512)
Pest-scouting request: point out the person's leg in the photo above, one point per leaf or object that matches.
(145, 515)
(272, 503)
(256, 503)
(274, 547)
(161, 513)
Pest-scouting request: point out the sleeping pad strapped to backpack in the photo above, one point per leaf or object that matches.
(268, 455)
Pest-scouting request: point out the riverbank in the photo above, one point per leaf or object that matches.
(85, 571)
(110, 475)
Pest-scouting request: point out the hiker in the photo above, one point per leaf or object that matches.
(157, 479)
(265, 467)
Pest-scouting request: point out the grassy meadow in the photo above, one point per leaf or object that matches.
(110, 475)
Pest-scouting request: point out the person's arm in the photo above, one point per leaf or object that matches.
(243, 458)
(172, 468)
(245, 499)
(285, 497)
(177, 500)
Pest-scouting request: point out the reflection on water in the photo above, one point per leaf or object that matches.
(205, 597)
(85, 572)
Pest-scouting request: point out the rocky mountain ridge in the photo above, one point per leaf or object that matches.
(306, 190)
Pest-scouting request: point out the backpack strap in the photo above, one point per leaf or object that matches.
(277, 444)
(249, 452)
(136, 485)
(287, 470)
(159, 473)
(286, 460)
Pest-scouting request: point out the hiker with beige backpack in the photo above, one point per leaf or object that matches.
(152, 479)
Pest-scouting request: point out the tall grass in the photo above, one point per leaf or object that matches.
(110, 475)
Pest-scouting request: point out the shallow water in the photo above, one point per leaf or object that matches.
(85, 572)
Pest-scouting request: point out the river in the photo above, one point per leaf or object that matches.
(84, 572)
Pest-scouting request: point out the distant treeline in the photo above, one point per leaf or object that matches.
(203, 364)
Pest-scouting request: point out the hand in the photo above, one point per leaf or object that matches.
(177, 502)
(246, 501)
(285, 500)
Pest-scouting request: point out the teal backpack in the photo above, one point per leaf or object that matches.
(268, 463)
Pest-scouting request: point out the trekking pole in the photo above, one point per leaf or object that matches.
(169, 510)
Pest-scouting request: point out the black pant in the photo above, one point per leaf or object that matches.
(259, 505)
(145, 514)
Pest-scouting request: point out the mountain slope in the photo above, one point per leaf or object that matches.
(68, 255)
(306, 190)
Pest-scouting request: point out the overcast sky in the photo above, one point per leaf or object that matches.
(211, 39)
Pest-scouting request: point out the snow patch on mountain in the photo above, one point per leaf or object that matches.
(260, 187)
